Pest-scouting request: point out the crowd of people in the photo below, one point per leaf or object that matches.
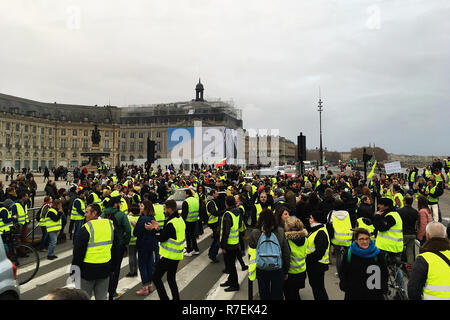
(290, 225)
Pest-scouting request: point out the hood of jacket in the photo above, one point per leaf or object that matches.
(340, 214)
(282, 198)
(435, 244)
(298, 237)
(112, 211)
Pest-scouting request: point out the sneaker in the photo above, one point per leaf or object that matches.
(117, 296)
(225, 284)
(51, 257)
(188, 254)
(131, 274)
(231, 289)
(196, 252)
(215, 260)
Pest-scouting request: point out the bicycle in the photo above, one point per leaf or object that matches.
(397, 278)
(25, 257)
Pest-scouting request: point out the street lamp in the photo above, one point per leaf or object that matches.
(320, 108)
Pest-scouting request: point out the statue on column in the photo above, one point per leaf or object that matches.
(95, 136)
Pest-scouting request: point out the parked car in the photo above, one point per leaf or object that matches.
(9, 289)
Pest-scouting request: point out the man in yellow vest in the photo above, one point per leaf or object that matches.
(20, 209)
(229, 242)
(212, 210)
(53, 225)
(172, 238)
(190, 214)
(430, 276)
(95, 254)
(6, 219)
(77, 213)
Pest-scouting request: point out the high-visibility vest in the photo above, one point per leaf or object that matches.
(22, 213)
(370, 228)
(101, 236)
(312, 247)
(259, 209)
(342, 232)
(233, 237)
(173, 248)
(123, 206)
(53, 225)
(133, 238)
(97, 199)
(437, 285)
(430, 198)
(74, 214)
(132, 198)
(298, 257)
(211, 218)
(43, 216)
(438, 178)
(412, 177)
(242, 227)
(159, 215)
(5, 227)
(251, 264)
(427, 173)
(399, 196)
(392, 239)
(193, 209)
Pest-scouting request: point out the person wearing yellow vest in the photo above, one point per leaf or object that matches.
(296, 235)
(95, 195)
(318, 256)
(77, 213)
(20, 209)
(6, 219)
(212, 210)
(398, 197)
(430, 275)
(261, 204)
(229, 242)
(53, 225)
(339, 229)
(190, 214)
(42, 218)
(431, 192)
(95, 254)
(172, 238)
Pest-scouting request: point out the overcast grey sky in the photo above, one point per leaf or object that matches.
(383, 66)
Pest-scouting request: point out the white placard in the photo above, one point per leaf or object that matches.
(393, 167)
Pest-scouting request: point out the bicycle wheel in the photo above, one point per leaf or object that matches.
(27, 263)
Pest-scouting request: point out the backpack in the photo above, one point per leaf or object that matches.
(268, 253)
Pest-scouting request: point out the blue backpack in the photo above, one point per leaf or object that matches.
(268, 253)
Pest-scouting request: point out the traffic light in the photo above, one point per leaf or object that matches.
(366, 157)
(301, 147)
(151, 150)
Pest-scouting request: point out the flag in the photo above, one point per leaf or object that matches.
(372, 171)
(221, 163)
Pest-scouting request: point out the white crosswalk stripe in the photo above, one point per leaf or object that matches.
(194, 266)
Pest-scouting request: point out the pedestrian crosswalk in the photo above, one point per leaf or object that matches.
(197, 276)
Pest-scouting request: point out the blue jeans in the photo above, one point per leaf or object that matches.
(44, 239)
(146, 265)
(76, 227)
(53, 236)
(270, 284)
(214, 249)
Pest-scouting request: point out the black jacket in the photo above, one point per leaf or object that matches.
(410, 218)
(93, 271)
(365, 211)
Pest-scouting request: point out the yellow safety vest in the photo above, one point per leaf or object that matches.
(259, 209)
(233, 237)
(5, 227)
(193, 209)
(53, 225)
(173, 248)
(298, 257)
(437, 286)
(342, 232)
(312, 246)
(43, 214)
(97, 199)
(399, 196)
(392, 239)
(252, 264)
(74, 214)
(22, 213)
(211, 218)
(369, 228)
(429, 198)
(123, 206)
(101, 237)
(133, 238)
(242, 227)
(159, 215)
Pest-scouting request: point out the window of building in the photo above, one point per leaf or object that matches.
(141, 135)
(63, 132)
(17, 127)
(86, 133)
(74, 144)
(85, 143)
(50, 131)
(74, 132)
(158, 134)
(8, 126)
(34, 141)
(131, 146)
(8, 140)
(124, 146)
(42, 130)
(158, 146)
(106, 146)
(141, 146)
(63, 143)
(132, 135)
(124, 135)
(42, 142)
(34, 129)
(50, 142)
(25, 128)
(106, 133)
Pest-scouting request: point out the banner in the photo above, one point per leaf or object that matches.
(393, 167)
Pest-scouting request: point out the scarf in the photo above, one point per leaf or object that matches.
(370, 252)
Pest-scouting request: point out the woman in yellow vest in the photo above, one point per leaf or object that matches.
(133, 217)
(296, 235)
